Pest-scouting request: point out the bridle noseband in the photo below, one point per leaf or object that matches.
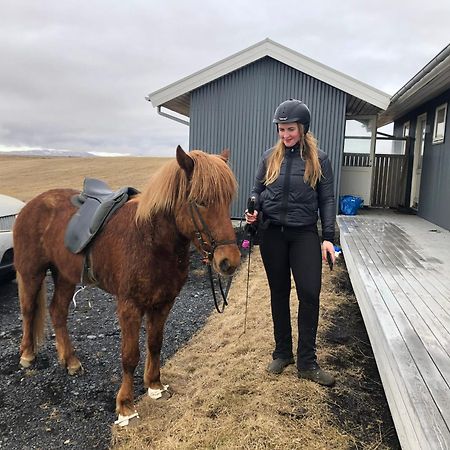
(208, 250)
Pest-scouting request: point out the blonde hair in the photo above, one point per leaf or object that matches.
(309, 152)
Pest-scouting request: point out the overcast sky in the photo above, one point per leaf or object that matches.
(74, 74)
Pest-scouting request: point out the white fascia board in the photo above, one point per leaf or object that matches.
(282, 54)
(206, 75)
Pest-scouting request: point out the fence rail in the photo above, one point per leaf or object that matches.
(356, 160)
(389, 177)
(389, 181)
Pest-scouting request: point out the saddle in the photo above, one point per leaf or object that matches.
(96, 204)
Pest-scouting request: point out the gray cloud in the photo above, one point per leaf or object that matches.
(75, 73)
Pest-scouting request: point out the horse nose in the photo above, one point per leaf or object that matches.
(226, 267)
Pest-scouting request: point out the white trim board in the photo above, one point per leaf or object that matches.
(267, 47)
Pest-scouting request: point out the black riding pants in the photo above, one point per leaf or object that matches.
(297, 250)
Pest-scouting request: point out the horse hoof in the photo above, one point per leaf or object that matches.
(26, 362)
(124, 421)
(75, 368)
(157, 394)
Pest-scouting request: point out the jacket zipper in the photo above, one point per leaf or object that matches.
(286, 186)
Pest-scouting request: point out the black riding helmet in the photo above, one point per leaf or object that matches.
(293, 110)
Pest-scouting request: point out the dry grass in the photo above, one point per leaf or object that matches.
(25, 177)
(223, 398)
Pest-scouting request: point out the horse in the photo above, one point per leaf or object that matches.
(141, 256)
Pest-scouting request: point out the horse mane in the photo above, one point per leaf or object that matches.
(212, 182)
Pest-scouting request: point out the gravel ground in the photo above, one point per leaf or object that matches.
(43, 407)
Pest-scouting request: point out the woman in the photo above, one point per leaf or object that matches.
(294, 182)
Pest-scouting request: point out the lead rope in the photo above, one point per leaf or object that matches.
(246, 244)
(251, 203)
(248, 282)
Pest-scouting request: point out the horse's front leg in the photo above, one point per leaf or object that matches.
(156, 318)
(130, 318)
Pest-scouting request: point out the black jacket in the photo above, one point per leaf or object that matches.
(290, 201)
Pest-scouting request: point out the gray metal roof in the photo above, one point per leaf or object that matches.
(428, 83)
(362, 98)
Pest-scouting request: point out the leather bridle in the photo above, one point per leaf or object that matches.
(208, 249)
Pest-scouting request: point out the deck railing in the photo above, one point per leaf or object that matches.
(389, 181)
(389, 177)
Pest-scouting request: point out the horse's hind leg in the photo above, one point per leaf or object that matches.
(32, 296)
(59, 309)
(156, 318)
(130, 318)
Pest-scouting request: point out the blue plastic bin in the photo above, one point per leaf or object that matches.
(349, 204)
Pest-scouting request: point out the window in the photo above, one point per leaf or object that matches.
(405, 132)
(358, 138)
(439, 124)
(402, 144)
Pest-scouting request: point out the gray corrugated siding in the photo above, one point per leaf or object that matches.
(435, 180)
(235, 111)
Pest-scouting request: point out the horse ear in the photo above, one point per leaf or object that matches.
(185, 161)
(225, 154)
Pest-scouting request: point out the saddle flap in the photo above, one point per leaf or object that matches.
(97, 204)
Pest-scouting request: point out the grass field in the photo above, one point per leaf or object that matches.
(26, 177)
(223, 398)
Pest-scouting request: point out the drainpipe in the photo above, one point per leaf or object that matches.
(185, 122)
(171, 117)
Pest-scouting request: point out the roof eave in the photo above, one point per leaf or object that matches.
(276, 51)
(427, 84)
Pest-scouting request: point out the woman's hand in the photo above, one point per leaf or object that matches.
(328, 247)
(251, 218)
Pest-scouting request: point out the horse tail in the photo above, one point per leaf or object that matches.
(39, 311)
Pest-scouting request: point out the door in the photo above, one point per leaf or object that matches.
(418, 158)
(359, 154)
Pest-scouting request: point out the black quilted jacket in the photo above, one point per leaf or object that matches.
(290, 201)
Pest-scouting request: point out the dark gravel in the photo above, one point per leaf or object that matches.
(43, 407)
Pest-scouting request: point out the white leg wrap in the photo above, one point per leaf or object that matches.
(123, 421)
(157, 393)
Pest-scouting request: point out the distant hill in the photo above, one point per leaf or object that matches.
(45, 152)
(59, 153)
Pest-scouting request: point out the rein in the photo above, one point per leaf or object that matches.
(208, 250)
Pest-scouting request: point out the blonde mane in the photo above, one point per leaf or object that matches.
(212, 182)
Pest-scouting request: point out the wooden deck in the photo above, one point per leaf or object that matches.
(399, 267)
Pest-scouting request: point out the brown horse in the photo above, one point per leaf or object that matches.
(141, 256)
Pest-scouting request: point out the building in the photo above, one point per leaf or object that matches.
(419, 111)
(230, 105)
